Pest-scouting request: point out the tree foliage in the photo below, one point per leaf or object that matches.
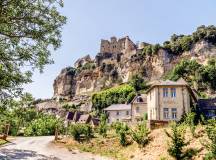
(200, 76)
(28, 30)
(120, 94)
(138, 83)
(81, 132)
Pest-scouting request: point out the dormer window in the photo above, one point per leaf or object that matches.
(139, 99)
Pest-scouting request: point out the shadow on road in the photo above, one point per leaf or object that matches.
(17, 154)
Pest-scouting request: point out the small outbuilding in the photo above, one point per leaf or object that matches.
(118, 112)
(207, 107)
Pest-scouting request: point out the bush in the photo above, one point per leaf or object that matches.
(42, 126)
(211, 146)
(190, 121)
(103, 125)
(122, 130)
(140, 134)
(177, 141)
(81, 131)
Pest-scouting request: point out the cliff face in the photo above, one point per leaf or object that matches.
(117, 61)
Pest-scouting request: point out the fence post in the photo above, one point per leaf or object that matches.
(6, 131)
(56, 133)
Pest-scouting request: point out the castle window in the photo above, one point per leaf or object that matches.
(165, 92)
(174, 113)
(173, 92)
(166, 113)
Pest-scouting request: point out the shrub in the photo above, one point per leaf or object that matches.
(122, 130)
(81, 131)
(211, 146)
(140, 134)
(103, 125)
(190, 121)
(42, 126)
(177, 141)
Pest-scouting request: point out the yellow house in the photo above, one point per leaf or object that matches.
(169, 100)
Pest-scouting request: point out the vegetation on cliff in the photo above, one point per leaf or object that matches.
(121, 94)
(181, 43)
(201, 77)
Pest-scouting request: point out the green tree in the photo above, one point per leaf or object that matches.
(103, 125)
(177, 141)
(122, 131)
(140, 134)
(28, 30)
(190, 121)
(138, 83)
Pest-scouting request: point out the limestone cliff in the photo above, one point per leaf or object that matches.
(117, 61)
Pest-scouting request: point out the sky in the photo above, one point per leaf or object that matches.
(89, 21)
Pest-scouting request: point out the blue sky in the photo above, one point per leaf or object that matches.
(89, 21)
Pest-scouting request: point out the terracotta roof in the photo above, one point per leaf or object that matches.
(118, 107)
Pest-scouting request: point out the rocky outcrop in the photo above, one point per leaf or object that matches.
(117, 62)
(65, 84)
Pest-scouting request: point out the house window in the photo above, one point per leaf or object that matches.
(117, 113)
(166, 113)
(173, 92)
(127, 112)
(165, 92)
(139, 99)
(174, 113)
(137, 109)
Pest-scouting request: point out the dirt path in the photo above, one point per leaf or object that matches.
(40, 148)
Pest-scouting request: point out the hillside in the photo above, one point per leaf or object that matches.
(119, 59)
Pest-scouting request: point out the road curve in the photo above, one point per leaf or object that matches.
(40, 148)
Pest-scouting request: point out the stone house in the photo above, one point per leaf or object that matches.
(118, 112)
(169, 100)
(207, 107)
(138, 107)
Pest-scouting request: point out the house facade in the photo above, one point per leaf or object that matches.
(169, 100)
(138, 107)
(118, 112)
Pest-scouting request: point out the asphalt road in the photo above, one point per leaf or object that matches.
(40, 148)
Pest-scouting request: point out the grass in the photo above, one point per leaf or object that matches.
(156, 149)
(2, 142)
(108, 147)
